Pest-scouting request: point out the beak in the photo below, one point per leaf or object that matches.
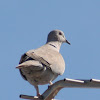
(68, 42)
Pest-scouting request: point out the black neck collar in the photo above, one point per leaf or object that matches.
(52, 45)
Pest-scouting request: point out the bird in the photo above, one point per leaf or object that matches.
(43, 65)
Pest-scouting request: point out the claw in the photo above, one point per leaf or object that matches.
(38, 94)
(50, 83)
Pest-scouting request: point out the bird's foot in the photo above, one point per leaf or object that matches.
(50, 84)
(40, 96)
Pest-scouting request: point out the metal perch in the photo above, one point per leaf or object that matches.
(52, 90)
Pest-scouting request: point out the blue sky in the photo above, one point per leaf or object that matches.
(25, 24)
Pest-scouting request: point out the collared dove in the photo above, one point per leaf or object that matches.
(41, 66)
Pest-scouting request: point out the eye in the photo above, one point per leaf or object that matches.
(60, 33)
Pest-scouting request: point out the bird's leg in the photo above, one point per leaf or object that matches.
(37, 90)
(38, 94)
(50, 83)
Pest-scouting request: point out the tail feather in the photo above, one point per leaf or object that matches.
(34, 64)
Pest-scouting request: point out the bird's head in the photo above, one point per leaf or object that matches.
(57, 35)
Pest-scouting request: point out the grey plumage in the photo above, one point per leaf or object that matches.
(43, 65)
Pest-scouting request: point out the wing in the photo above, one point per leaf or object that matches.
(34, 56)
(30, 59)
